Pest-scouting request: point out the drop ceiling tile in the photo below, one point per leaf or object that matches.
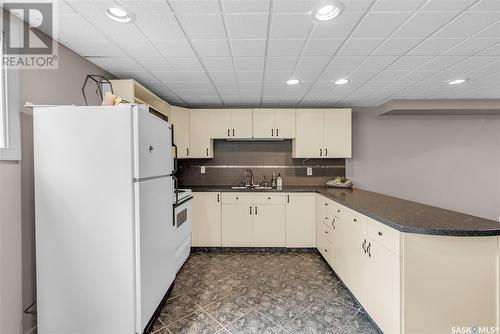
(396, 46)
(286, 64)
(89, 48)
(397, 5)
(116, 64)
(290, 25)
(322, 47)
(146, 6)
(295, 6)
(472, 63)
(249, 76)
(248, 47)
(471, 46)
(390, 75)
(159, 26)
(469, 24)
(376, 63)
(487, 5)
(193, 75)
(417, 76)
(249, 63)
(203, 26)
(226, 84)
(167, 76)
(491, 51)
(247, 26)
(362, 76)
(409, 62)
(448, 4)
(211, 47)
(139, 48)
(285, 47)
(280, 76)
(185, 64)
(238, 6)
(305, 76)
(223, 64)
(380, 24)
(424, 24)
(359, 46)
(358, 5)
(155, 64)
(441, 62)
(493, 31)
(136, 75)
(174, 48)
(73, 27)
(338, 28)
(195, 6)
(250, 85)
(376, 84)
(434, 46)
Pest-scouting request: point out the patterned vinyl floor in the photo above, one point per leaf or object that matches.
(243, 292)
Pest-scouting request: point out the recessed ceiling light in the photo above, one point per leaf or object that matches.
(292, 81)
(328, 10)
(119, 14)
(341, 81)
(456, 81)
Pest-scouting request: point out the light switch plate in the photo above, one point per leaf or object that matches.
(309, 171)
(202, 169)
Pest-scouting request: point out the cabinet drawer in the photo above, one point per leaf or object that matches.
(384, 235)
(269, 198)
(237, 198)
(325, 247)
(340, 211)
(327, 231)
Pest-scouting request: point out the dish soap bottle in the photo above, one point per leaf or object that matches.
(279, 182)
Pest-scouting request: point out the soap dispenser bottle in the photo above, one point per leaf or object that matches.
(279, 182)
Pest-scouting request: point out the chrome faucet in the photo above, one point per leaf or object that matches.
(248, 173)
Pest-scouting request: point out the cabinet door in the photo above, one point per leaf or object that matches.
(241, 123)
(300, 220)
(237, 225)
(309, 134)
(220, 123)
(180, 119)
(285, 123)
(338, 138)
(263, 123)
(383, 287)
(200, 133)
(269, 222)
(207, 221)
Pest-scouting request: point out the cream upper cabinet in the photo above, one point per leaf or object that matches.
(269, 225)
(338, 133)
(274, 123)
(309, 133)
(232, 123)
(323, 133)
(207, 220)
(200, 133)
(179, 117)
(300, 220)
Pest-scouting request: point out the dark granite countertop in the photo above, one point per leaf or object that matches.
(403, 215)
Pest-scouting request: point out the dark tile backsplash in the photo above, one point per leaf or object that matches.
(231, 158)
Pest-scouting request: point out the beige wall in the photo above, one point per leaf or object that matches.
(62, 86)
(446, 161)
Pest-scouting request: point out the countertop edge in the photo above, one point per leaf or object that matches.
(385, 221)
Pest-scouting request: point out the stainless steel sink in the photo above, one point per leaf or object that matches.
(262, 188)
(252, 188)
(240, 188)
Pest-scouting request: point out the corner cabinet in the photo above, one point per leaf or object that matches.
(323, 133)
(179, 117)
(273, 123)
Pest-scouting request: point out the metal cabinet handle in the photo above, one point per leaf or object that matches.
(380, 233)
(333, 220)
(288, 198)
(355, 220)
(228, 133)
(326, 152)
(256, 212)
(368, 249)
(237, 198)
(233, 132)
(272, 132)
(250, 209)
(277, 132)
(320, 152)
(363, 246)
(218, 198)
(326, 250)
(326, 232)
(326, 204)
(187, 151)
(269, 198)
(333, 225)
(338, 210)
(207, 152)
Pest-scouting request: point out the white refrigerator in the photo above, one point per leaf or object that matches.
(104, 194)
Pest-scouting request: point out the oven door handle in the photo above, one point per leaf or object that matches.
(183, 201)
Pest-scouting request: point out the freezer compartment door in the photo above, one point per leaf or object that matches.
(155, 246)
(152, 145)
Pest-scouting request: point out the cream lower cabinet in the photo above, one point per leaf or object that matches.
(269, 225)
(206, 230)
(300, 220)
(237, 225)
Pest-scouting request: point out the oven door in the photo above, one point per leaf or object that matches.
(182, 222)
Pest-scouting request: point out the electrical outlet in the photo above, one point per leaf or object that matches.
(309, 171)
(202, 169)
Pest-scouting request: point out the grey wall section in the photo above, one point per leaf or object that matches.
(451, 162)
(61, 86)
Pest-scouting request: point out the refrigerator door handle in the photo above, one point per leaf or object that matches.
(175, 149)
(176, 199)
